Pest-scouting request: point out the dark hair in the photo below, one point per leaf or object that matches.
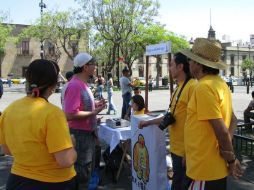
(182, 59)
(77, 70)
(40, 75)
(69, 75)
(125, 69)
(109, 75)
(136, 88)
(252, 94)
(209, 70)
(139, 100)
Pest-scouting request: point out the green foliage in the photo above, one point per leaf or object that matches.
(248, 64)
(116, 22)
(156, 33)
(59, 28)
(127, 25)
(5, 35)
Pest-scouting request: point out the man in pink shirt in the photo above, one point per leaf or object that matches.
(81, 110)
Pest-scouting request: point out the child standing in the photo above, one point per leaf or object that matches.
(138, 105)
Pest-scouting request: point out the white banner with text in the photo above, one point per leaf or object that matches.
(158, 49)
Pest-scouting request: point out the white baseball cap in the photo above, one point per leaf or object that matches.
(81, 59)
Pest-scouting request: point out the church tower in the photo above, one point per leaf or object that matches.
(211, 32)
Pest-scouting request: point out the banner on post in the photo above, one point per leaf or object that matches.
(149, 169)
(158, 49)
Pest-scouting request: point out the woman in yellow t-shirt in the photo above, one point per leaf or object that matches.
(36, 134)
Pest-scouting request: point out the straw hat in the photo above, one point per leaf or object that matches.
(206, 52)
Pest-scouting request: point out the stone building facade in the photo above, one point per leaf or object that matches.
(234, 56)
(17, 57)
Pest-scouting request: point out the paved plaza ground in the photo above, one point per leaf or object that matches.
(158, 100)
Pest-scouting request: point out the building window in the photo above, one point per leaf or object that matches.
(160, 70)
(244, 57)
(25, 47)
(141, 71)
(232, 59)
(232, 70)
(24, 69)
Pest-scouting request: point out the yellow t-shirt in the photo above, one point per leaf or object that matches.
(177, 129)
(211, 99)
(33, 130)
(141, 112)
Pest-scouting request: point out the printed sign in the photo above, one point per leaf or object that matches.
(158, 49)
(149, 169)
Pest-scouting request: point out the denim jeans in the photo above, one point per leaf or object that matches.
(126, 101)
(111, 105)
(85, 147)
(180, 180)
(99, 90)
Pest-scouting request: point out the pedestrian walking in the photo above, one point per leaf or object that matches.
(100, 85)
(111, 105)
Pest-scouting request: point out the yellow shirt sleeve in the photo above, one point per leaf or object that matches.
(208, 105)
(57, 132)
(2, 139)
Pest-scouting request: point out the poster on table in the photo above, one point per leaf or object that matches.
(149, 169)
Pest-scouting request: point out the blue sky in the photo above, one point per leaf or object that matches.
(190, 18)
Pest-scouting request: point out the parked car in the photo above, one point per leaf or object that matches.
(15, 81)
(18, 80)
(235, 81)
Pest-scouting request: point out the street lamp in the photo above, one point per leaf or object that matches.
(42, 6)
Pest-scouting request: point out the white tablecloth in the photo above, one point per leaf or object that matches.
(113, 136)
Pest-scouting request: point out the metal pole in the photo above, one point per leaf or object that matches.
(238, 60)
(146, 89)
(171, 87)
(118, 74)
(42, 5)
(251, 70)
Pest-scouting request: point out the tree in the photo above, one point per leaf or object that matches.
(125, 28)
(62, 30)
(248, 64)
(5, 36)
(116, 21)
(156, 33)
